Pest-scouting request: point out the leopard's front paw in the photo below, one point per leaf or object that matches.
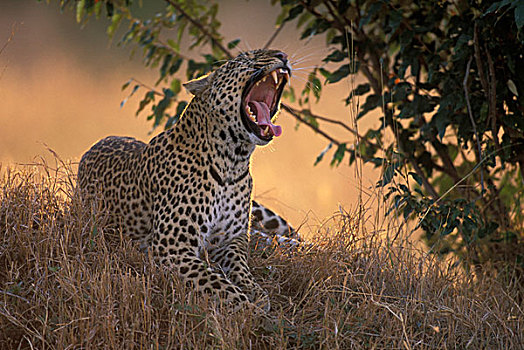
(259, 297)
(262, 302)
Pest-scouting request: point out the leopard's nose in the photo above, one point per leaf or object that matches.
(281, 56)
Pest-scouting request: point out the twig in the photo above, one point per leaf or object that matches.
(11, 36)
(272, 38)
(331, 8)
(317, 14)
(345, 126)
(204, 31)
(297, 116)
(158, 93)
(479, 149)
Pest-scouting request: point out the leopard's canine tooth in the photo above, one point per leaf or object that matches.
(275, 76)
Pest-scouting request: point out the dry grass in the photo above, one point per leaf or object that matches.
(67, 282)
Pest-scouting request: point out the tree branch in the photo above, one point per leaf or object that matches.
(296, 115)
(338, 25)
(492, 98)
(145, 86)
(492, 113)
(478, 61)
(204, 31)
(11, 36)
(275, 33)
(470, 113)
(345, 126)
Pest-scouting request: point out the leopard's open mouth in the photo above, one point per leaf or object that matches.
(260, 102)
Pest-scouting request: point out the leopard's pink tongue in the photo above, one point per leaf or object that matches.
(264, 118)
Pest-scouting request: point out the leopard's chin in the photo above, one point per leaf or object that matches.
(261, 103)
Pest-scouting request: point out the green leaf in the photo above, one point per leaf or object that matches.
(375, 8)
(358, 91)
(126, 84)
(181, 107)
(497, 6)
(387, 176)
(115, 21)
(339, 155)
(315, 86)
(282, 16)
(335, 56)
(163, 68)
(80, 10)
(512, 87)
(135, 88)
(232, 44)
(98, 9)
(339, 74)
(294, 12)
(303, 19)
(372, 102)
(323, 153)
(394, 20)
(309, 118)
(326, 74)
(176, 86)
(179, 111)
(160, 108)
(175, 66)
(519, 15)
(174, 45)
(289, 94)
(148, 98)
(416, 177)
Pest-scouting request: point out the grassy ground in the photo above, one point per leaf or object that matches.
(66, 282)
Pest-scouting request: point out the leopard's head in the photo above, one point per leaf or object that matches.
(243, 95)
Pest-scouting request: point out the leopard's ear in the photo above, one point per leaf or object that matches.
(198, 85)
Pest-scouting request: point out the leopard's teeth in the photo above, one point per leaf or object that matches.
(265, 131)
(251, 115)
(286, 74)
(274, 75)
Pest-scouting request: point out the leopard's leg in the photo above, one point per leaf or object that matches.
(266, 220)
(271, 230)
(232, 259)
(180, 252)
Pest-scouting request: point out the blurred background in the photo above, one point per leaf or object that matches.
(60, 87)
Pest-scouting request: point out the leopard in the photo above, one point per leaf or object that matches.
(187, 194)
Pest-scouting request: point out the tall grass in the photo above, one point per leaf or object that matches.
(68, 282)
